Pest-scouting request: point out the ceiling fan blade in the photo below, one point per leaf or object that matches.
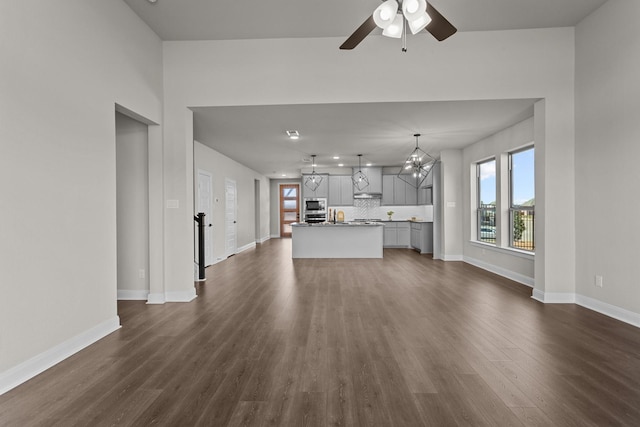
(359, 34)
(439, 27)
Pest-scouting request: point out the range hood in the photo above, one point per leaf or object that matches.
(367, 195)
(374, 189)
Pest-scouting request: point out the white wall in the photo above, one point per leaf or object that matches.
(132, 205)
(64, 67)
(607, 152)
(451, 205)
(221, 167)
(516, 266)
(472, 65)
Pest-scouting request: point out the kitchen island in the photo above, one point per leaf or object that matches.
(339, 240)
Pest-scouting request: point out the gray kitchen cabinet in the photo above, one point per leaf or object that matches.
(346, 193)
(387, 189)
(404, 236)
(340, 190)
(425, 196)
(335, 191)
(422, 237)
(410, 194)
(396, 192)
(399, 192)
(396, 234)
(374, 175)
(322, 191)
(390, 236)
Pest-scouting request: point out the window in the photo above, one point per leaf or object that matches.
(486, 175)
(522, 202)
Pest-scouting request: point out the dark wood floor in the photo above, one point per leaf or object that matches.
(403, 341)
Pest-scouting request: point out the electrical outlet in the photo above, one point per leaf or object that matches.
(141, 273)
(599, 283)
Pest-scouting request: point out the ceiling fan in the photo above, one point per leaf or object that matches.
(393, 16)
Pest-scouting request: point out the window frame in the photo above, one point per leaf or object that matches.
(482, 210)
(514, 209)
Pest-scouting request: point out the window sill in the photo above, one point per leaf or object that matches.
(509, 251)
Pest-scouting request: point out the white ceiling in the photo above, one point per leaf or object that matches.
(254, 135)
(243, 19)
(382, 132)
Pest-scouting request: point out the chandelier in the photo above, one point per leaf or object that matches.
(313, 181)
(394, 16)
(360, 180)
(417, 166)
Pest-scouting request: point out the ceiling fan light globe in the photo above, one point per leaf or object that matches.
(410, 6)
(384, 14)
(412, 9)
(418, 24)
(395, 29)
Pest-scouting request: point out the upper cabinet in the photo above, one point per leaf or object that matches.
(388, 191)
(322, 191)
(374, 175)
(340, 190)
(397, 192)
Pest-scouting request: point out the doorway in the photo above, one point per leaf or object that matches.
(132, 208)
(230, 220)
(289, 207)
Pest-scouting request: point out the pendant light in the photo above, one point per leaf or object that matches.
(417, 166)
(313, 181)
(360, 180)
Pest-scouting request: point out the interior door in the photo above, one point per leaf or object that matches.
(230, 209)
(289, 207)
(205, 192)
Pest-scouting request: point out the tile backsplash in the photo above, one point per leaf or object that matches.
(372, 209)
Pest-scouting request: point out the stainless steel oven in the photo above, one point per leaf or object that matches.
(315, 209)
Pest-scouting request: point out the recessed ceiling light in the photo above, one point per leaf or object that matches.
(368, 164)
(284, 174)
(293, 134)
(336, 157)
(152, 1)
(340, 164)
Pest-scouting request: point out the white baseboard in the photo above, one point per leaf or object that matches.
(132, 295)
(263, 239)
(172, 296)
(155, 299)
(609, 310)
(180, 296)
(26, 370)
(601, 307)
(554, 297)
(512, 275)
(452, 258)
(246, 247)
(275, 236)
